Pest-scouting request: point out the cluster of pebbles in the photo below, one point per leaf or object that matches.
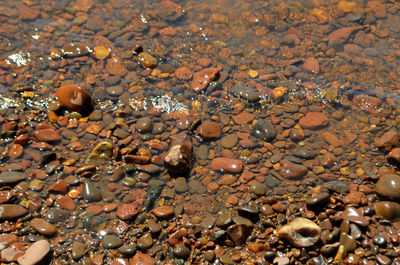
(152, 141)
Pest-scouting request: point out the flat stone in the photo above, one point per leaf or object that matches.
(388, 140)
(313, 120)
(46, 135)
(355, 216)
(128, 210)
(78, 250)
(239, 233)
(243, 118)
(111, 241)
(181, 185)
(35, 253)
(142, 259)
(55, 215)
(11, 211)
(227, 165)
(11, 177)
(291, 170)
(101, 153)
(229, 141)
(43, 227)
(209, 130)
(163, 212)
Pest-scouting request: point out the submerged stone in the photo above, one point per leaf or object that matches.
(300, 232)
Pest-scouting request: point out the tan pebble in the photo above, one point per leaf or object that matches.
(101, 52)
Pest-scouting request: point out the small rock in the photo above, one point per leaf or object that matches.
(203, 78)
(227, 165)
(388, 186)
(144, 125)
(180, 185)
(101, 153)
(46, 135)
(11, 177)
(355, 216)
(209, 130)
(312, 65)
(74, 98)
(313, 120)
(55, 215)
(341, 35)
(239, 233)
(90, 193)
(142, 259)
(388, 210)
(181, 251)
(127, 211)
(78, 250)
(111, 241)
(35, 253)
(180, 155)
(11, 211)
(318, 199)
(147, 60)
(43, 227)
(394, 157)
(388, 140)
(301, 232)
(145, 241)
(264, 130)
(291, 170)
(164, 212)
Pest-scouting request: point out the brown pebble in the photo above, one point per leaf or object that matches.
(43, 227)
(227, 165)
(164, 212)
(74, 98)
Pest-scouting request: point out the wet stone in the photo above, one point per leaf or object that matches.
(355, 216)
(11, 211)
(264, 130)
(257, 189)
(224, 219)
(144, 125)
(196, 187)
(338, 186)
(46, 135)
(181, 185)
(111, 241)
(239, 233)
(348, 242)
(180, 155)
(318, 200)
(127, 249)
(43, 227)
(35, 253)
(101, 153)
(181, 251)
(55, 215)
(227, 165)
(300, 232)
(250, 95)
(383, 260)
(209, 130)
(154, 227)
(313, 120)
(90, 192)
(142, 259)
(74, 98)
(11, 177)
(164, 212)
(388, 186)
(388, 210)
(229, 141)
(291, 170)
(78, 250)
(145, 241)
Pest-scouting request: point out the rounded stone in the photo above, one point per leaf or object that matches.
(229, 141)
(114, 91)
(144, 125)
(11, 211)
(111, 241)
(388, 210)
(145, 241)
(181, 185)
(35, 253)
(74, 98)
(43, 227)
(228, 165)
(181, 251)
(55, 215)
(388, 186)
(90, 193)
(209, 130)
(264, 130)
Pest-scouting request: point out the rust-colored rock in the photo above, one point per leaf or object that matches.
(128, 210)
(394, 157)
(227, 165)
(60, 186)
(180, 155)
(209, 129)
(340, 36)
(183, 73)
(332, 139)
(388, 140)
(203, 78)
(291, 170)
(313, 120)
(142, 259)
(74, 98)
(43, 227)
(368, 103)
(46, 135)
(11, 211)
(312, 65)
(164, 212)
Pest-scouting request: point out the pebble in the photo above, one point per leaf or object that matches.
(251, 95)
(55, 215)
(147, 60)
(264, 130)
(239, 233)
(142, 259)
(291, 170)
(144, 125)
(145, 241)
(203, 78)
(312, 65)
(355, 216)
(394, 157)
(227, 165)
(35, 253)
(229, 141)
(60, 186)
(78, 250)
(300, 232)
(90, 192)
(318, 199)
(154, 227)
(348, 242)
(209, 130)
(11, 177)
(388, 186)
(74, 98)
(180, 155)
(101, 153)
(48, 135)
(181, 185)
(111, 241)
(388, 140)
(313, 120)
(114, 91)
(181, 251)
(383, 260)
(11, 211)
(388, 210)
(43, 227)
(128, 210)
(164, 212)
